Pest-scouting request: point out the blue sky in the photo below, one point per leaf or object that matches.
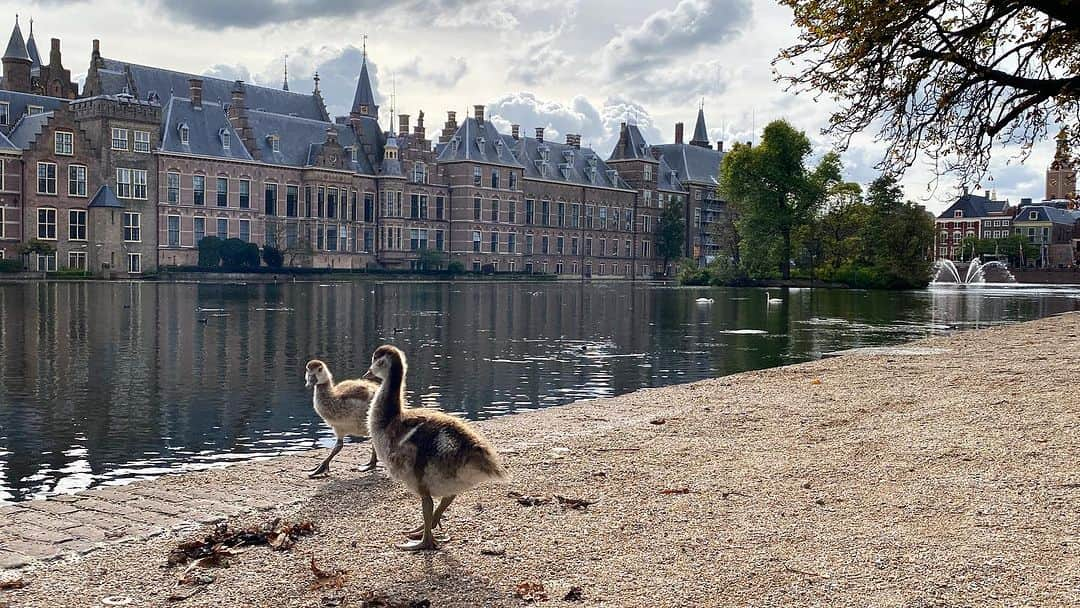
(572, 66)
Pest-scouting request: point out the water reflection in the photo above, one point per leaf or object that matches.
(108, 382)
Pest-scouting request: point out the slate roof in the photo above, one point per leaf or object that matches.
(6, 145)
(205, 129)
(631, 145)
(17, 103)
(391, 166)
(300, 139)
(975, 206)
(692, 163)
(141, 81)
(667, 179)
(364, 96)
(565, 163)
(480, 142)
(701, 134)
(28, 128)
(105, 197)
(1047, 213)
(32, 51)
(16, 48)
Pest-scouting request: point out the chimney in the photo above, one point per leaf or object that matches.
(478, 111)
(573, 140)
(196, 92)
(515, 132)
(987, 195)
(1025, 201)
(678, 132)
(540, 134)
(331, 135)
(54, 53)
(719, 145)
(449, 128)
(419, 129)
(403, 124)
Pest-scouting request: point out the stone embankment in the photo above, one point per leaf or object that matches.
(943, 474)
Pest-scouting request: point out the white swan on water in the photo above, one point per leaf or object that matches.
(704, 300)
(771, 300)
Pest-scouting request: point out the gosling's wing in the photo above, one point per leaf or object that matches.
(360, 390)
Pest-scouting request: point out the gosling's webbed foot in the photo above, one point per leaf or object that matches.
(364, 468)
(321, 471)
(424, 544)
(419, 535)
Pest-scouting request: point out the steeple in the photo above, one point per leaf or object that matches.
(364, 99)
(16, 48)
(32, 50)
(285, 83)
(701, 134)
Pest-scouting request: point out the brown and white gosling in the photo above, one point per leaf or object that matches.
(343, 406)
(432, 453)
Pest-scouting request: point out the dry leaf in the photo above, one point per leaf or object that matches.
(816, 381)
(579, 504)
(676, 491)
(15, 582)
(531, 592)
(528, 501)
(326, 579)
(575, 594)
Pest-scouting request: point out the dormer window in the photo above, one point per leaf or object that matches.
(454, 143)
(958, 214)
(363, 109)
(275, 143)
(226, 139)
(184, 131)
(480, 141)
(1034, 215)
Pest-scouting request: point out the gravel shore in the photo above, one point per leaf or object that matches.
(941, 475)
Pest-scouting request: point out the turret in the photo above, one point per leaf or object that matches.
(17, 62)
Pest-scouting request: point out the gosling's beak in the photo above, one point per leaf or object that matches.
(308, 383)
(370, 375)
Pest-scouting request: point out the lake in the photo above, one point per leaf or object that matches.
(104, 383)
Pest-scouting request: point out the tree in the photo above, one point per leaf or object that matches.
(670, 232)
(273, 257)
(948, 79)
(840, 228)
(210, 252)
(430, 259)
(774, 193)
(37, 246)
(899, 236)
(237, 254)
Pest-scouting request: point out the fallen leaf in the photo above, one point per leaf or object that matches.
(531, 592)
(372, 600)
(579, 504)
(14, 582)
(657, 421)
(326, 579)
(676, 491)
(224, 542)
(575, 594)
(528, 501)
(816, 381)
(182, 594)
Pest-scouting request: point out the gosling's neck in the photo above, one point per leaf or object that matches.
(389, 399)
(324, 390)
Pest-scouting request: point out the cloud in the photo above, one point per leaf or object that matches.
(541, 57)
(671, 34)
(228, 72)
(425, 72)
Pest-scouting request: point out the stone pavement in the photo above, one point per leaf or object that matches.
(46, 529)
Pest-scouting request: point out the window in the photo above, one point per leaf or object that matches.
(560, 214)
(292, 201)
(369, 240)
(529, 244)
(245, 231)
(477, 178)
(513, 180)
(602, 250)
(588, 246)
(647, 175)
(511, 243)
(352, 205)
(77, 225)
(46, 224)
(560, 245)
(476, 208)
(321, 201)
(132, 227)
(419, 173)
(558, 268)
(5, 113)
(545, 213)
(200, 229)
(77, 260)
(494, 178)
(494, 242)
(3, 228)
(476, 240)
(64, 143)
(46, 263)
(414, 207)
(588, 216)
(958, 214)
(575, 215)
(275, 143)
(184, 134)
(644, 249)
(544, 244)
(222, 228)
(270, 198)
(494, 209)
(331, 202)
(134, 263)
(602, 217)
(529, 203)
(76, 180)
(1033, 216)
(173, 230)
(418, 239)
(46, 178)
(139, 182)
(646, 224)
(439, 243)
(369, 207)
(628, 250)
(222, 192)
(119, 139)
(245, 194)
(142, 142)
(173, 184)
(31, 110)
(198, 189)
(226, 140)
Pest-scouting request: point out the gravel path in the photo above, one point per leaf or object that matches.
(944, 475)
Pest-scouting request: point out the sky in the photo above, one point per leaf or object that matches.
(574, 66)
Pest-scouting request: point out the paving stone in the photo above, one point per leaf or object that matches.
(96, 504)
(77, 546)
(38, 534)
(9, 509)
(52, 506)
(11, 559)
(31, 517)
(35, 550)
(159, 506)
(66, 498)
(166, 496)
(88, 532)
(109, 494)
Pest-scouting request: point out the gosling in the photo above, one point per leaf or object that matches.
(343, 406)
(432, 453)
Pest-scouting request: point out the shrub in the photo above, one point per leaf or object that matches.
(210, 252)
(273, 257)
(455, 267)
(11, 266)
(238, 255)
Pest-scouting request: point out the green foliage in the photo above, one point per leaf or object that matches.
(671, 232)
(430, 259)
(273, 257)
(38, 247)
(11, 266)
(1016, 248)
(775, 194)
(721, 271)
(210, 252)
(455, 267)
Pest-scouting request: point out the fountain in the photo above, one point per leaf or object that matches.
(976, 272)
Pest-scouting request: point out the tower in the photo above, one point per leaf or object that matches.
(701, 134)
(364, 99)
(1061, 176)
(17, 62)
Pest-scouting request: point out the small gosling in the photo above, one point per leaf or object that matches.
(432, 453)
(343, 406)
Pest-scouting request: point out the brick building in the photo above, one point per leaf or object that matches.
(971, 216)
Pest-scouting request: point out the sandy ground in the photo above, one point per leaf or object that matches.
(941, 476)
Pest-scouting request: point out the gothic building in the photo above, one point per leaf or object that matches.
(133, 172)
(1061, 175)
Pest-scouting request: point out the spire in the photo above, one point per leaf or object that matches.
(701, 134)
(32, 50)
(364, 99)
(16, 48)
(285, 84)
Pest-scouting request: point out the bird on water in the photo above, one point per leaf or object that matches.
(432, 453)
(343, 406)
